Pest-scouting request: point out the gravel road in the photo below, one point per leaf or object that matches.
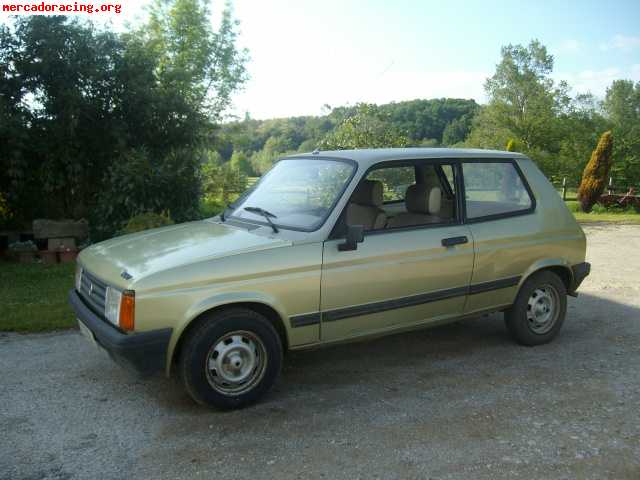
(460, 401)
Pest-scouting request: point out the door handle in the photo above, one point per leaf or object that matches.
(451, 241)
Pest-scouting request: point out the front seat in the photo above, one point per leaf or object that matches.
(423, 207)
(364, 206)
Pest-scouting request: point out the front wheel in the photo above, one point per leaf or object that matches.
(231, 359)
(539, 310)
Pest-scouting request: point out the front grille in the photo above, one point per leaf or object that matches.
(93, 291)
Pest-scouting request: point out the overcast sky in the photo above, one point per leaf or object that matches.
(308, 53)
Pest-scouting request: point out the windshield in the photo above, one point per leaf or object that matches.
(298, 193)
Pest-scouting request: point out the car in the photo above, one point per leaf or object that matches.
(331, 247)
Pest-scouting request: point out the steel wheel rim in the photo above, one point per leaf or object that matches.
(543, 309)
(236, 362)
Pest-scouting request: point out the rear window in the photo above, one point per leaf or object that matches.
(494, 188)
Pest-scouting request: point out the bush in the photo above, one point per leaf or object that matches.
(222, 184)
(147, 221)
(140, 183)
(594, 178)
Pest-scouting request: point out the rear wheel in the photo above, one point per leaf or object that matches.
(231, 359)
(539, 310)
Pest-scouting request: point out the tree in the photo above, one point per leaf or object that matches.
(594, 178)
(368, 127)
(524, 101)
(622, 107)
(263, 160)
(83, 110)
(457, 130)
(221, 184)
(239, 161)
(204, 66)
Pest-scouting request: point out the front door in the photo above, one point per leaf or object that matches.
(401, 274)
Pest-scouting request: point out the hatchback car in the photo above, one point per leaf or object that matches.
(331, 247)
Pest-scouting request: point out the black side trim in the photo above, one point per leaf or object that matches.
(143, 352)
(304, 320)
(493, 285)
(580, 272)
(413, 300)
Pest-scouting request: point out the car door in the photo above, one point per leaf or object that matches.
(396, 278)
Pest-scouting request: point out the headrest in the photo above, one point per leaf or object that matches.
(369, 192)
(422, 199)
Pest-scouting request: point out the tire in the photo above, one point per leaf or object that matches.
(539, 310)
(231, 359)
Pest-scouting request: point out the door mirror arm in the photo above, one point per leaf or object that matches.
(355, 235)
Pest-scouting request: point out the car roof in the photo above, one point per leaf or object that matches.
(370, 156)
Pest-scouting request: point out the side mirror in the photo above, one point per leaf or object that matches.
(355, 235)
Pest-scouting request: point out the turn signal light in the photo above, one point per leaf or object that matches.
(128, 310)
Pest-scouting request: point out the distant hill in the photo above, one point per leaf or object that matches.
(435, 122)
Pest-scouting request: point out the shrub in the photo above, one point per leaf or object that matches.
(147, 221)
(222, 184)
(140, 182)
(594, 178)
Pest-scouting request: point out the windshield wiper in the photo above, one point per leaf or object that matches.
(266, 214)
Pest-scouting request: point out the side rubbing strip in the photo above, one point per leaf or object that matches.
(305, 320)
(383, 306)
(494, 285)
(411, 301)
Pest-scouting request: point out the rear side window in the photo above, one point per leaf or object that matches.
(494, 188)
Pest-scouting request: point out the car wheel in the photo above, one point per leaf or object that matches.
(539, 310)
(231, 359)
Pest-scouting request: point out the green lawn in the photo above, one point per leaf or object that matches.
(33, 297)
(599, 214)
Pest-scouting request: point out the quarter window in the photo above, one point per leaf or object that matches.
(494, 188)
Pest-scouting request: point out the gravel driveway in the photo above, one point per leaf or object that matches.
(461, 401)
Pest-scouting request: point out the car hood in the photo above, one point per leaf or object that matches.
(143, 254)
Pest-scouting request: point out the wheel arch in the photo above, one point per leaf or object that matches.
(559, 267)
(264, 309)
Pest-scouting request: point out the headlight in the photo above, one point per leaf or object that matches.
(120, 308)
(78, 277)
(112, 301)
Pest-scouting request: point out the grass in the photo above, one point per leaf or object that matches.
(599, 214)
(33, 296)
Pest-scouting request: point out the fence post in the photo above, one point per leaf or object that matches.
(564, 189)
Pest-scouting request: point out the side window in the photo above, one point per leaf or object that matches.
(395, 181)
(493, 188)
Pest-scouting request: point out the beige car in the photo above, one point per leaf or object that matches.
(331, 247)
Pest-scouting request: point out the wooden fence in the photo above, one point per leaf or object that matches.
(568, 189)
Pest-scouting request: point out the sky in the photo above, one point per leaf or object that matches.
(309, 53)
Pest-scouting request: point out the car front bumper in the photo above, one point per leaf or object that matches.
(142, 352)
(580, 272)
